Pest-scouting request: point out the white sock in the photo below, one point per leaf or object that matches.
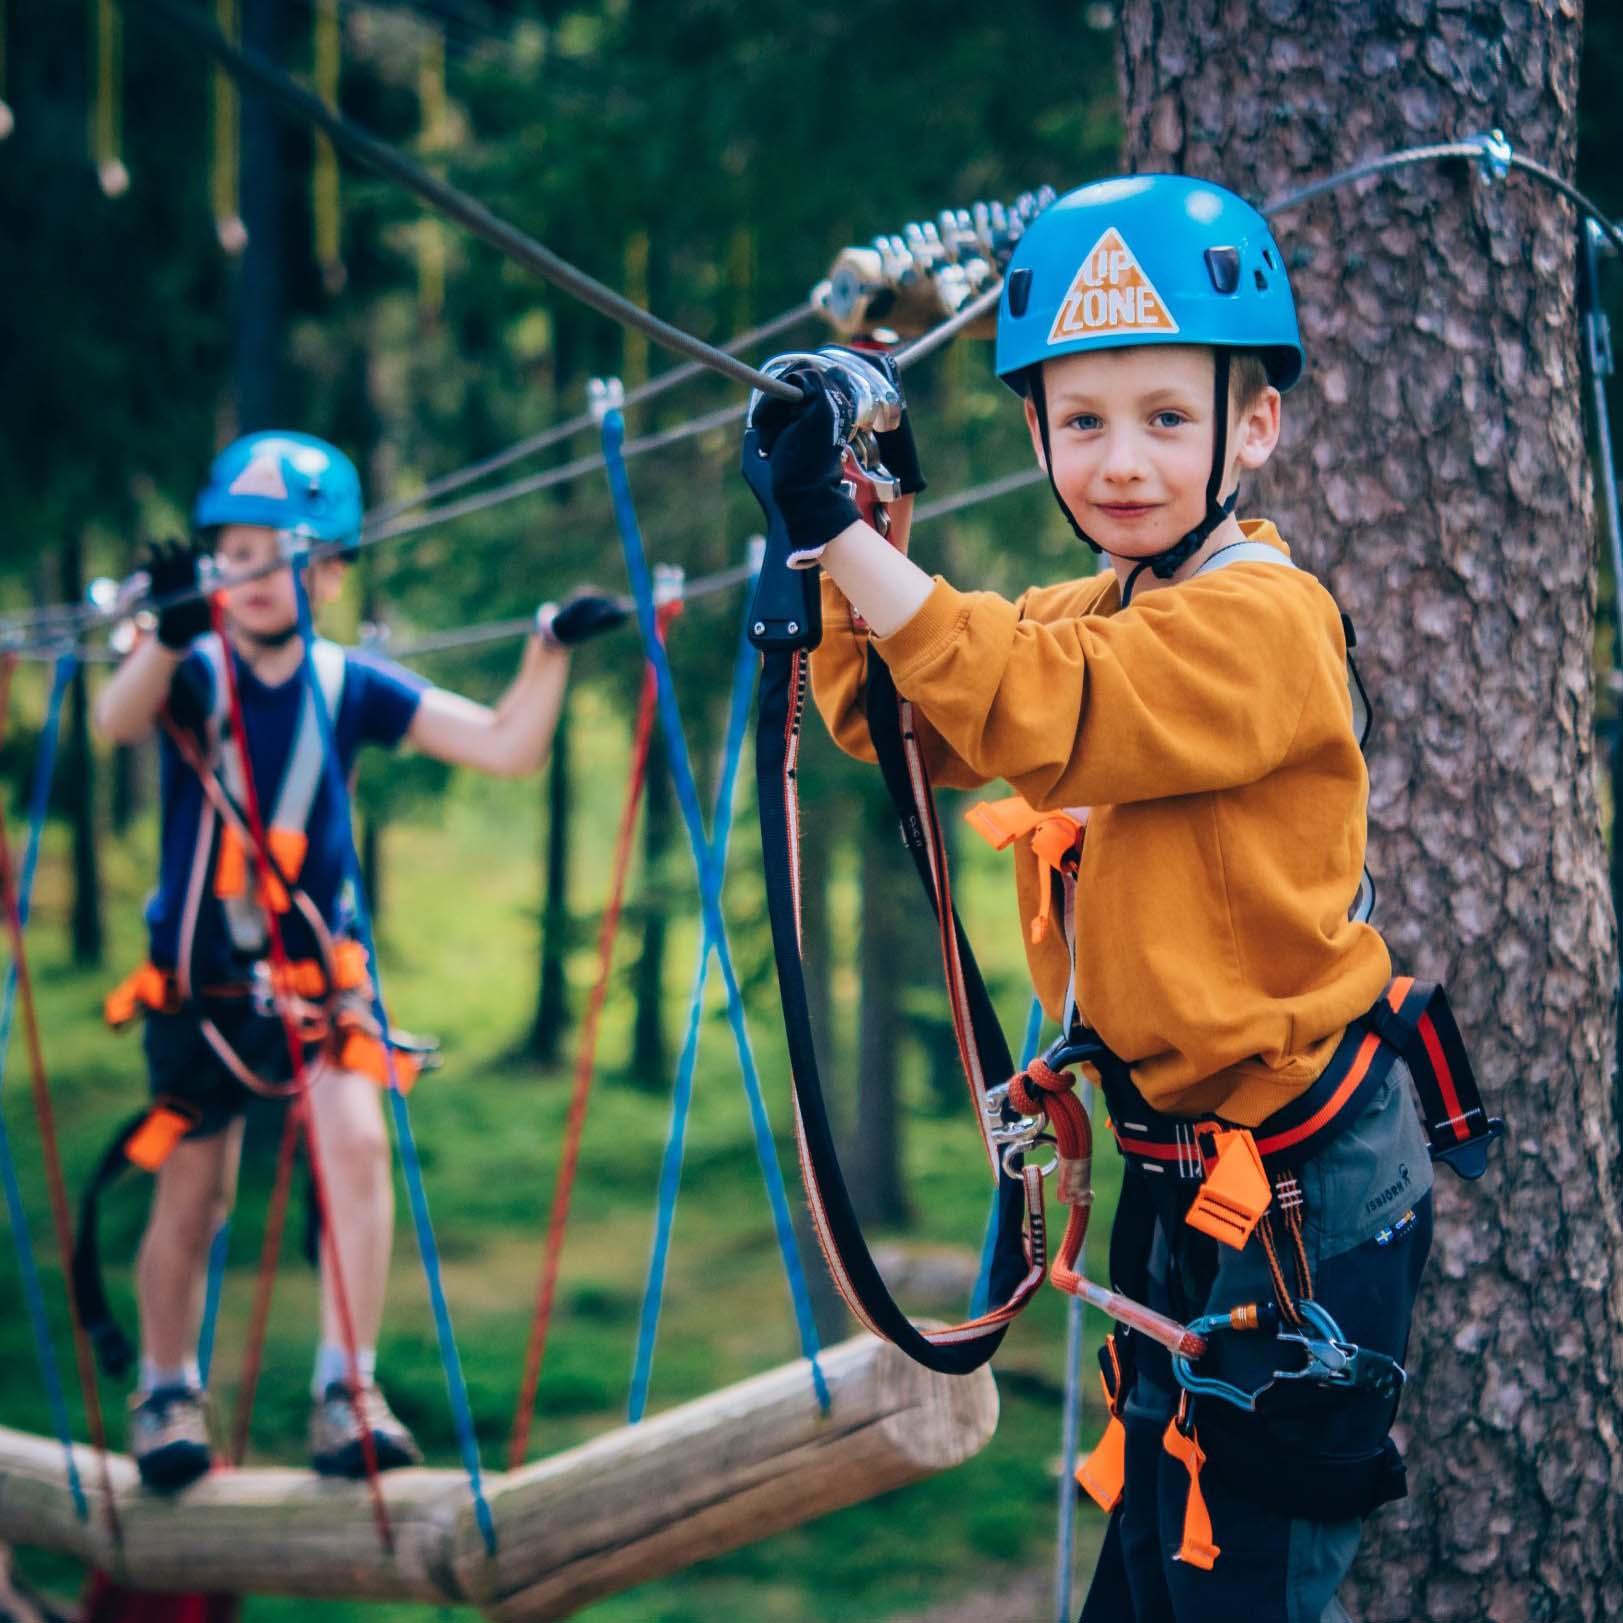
(155, 1375)
(332, 1364)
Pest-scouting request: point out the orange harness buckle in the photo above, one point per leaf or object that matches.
(1235, 1193)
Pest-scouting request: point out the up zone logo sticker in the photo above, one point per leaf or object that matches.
(1110, 295)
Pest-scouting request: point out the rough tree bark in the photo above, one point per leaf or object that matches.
(1433, 474)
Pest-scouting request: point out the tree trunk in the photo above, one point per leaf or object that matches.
(552, 990)
(875, 1153)
(79, 786)
(257, 327)
(1433, 474)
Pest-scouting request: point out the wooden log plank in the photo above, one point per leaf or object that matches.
(638, 1503)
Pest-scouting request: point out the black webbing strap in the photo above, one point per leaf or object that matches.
(1016, 1274)
(1414, 1017)
(114, 1353)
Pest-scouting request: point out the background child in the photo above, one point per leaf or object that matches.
(208, 1036)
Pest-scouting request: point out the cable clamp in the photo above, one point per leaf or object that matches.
(604, 395)
(670, 581)
(1493, 155)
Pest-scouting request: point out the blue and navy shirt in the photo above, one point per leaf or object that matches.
(378, 703)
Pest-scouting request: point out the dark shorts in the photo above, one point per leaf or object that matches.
(1366, 1256)
(182, 1064)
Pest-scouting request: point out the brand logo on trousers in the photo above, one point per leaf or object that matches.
(1393, 1190)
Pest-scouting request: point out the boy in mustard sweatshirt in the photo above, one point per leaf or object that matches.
(1187, 709)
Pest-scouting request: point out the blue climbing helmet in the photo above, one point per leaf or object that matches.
(294, 483)
(1147, 259)
(1144, 260)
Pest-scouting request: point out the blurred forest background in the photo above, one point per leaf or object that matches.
(178, 266)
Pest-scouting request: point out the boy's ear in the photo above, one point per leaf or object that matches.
(1036, 434)
(1257, 431)
(325, 579)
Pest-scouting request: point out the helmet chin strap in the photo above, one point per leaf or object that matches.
(1165, 564)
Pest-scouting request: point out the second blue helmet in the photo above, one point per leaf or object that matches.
(294, 483)
(1147, 259)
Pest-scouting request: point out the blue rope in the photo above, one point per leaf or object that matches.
(981, 1298)
(411, 1166)
(38, 804)
(709, 857)
(219, 1250)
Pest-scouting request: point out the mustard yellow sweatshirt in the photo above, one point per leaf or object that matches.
(1209, 728)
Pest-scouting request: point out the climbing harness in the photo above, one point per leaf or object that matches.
(709, 861)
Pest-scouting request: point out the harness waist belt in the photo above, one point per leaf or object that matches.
(1411, 1019)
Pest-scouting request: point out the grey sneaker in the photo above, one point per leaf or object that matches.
(168, 1433)
(335, 1433)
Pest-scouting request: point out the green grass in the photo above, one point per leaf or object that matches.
(458, 951)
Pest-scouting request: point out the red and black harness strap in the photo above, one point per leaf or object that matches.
(1017, 1269)
(1411, 1019)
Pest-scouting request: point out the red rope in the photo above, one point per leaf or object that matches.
(300, 1117)
(54, 1180)
(586, 1060)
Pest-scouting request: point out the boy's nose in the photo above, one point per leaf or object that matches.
(1123, 459)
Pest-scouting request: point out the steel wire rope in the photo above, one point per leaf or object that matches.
(568, 429)
(55, 620)
(252, 70)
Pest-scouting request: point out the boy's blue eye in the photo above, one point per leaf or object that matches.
(1169, 419)
(1084, 420)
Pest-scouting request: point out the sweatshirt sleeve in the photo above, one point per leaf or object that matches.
(839, 671)
(1192, 689)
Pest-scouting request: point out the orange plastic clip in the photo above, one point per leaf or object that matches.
(149, 1145)
(1196, 1548)
(1236, 1191)
(1103, 1474)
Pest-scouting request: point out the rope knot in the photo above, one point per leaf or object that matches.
(1027, 1090)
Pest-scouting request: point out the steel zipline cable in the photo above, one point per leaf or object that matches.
(48, 628)
(252, 70)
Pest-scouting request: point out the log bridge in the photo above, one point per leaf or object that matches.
(729, 1469)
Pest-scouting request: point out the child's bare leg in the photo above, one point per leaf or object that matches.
(194, 1189)
(355, 1166)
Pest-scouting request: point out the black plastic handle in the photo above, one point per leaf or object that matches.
(787, 612)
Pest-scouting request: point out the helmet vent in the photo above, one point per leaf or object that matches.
(1019, 291)
(1261, 280)
(1268, 259)
(1223, 266)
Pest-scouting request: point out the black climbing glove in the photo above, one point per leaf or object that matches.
(581, 616)
(803, 444)
(173, 567)
(901, 456)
